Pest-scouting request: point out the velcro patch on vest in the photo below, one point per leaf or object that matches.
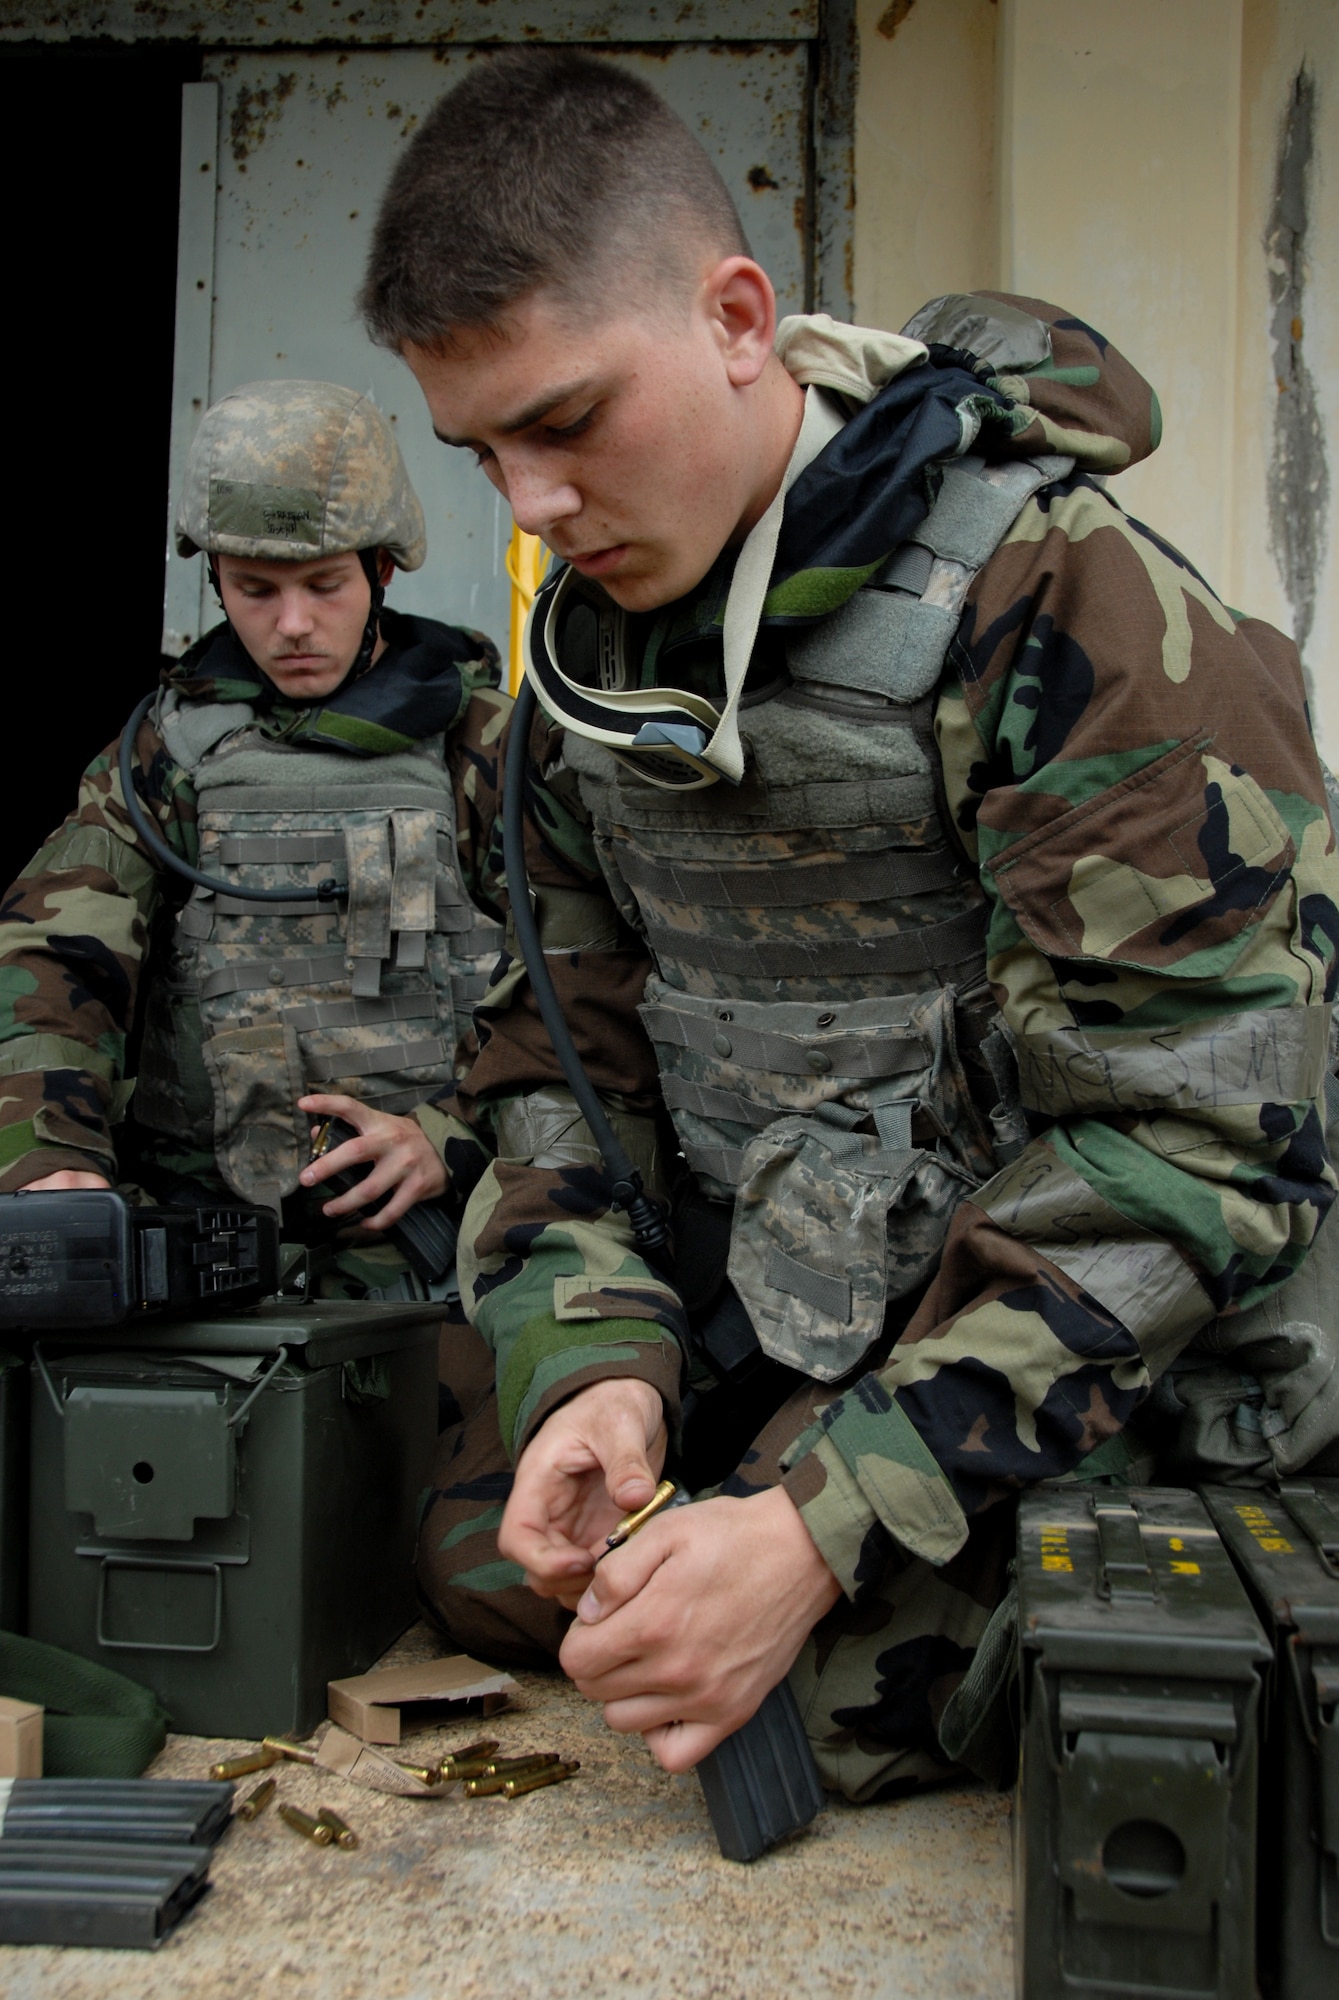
(266, 513)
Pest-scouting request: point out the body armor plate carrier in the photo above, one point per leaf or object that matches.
(367, 994)
(816, 934)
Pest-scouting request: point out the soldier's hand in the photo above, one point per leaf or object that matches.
(406, 1166)
(594, 1460)
(68, 1177)
(685, 1629)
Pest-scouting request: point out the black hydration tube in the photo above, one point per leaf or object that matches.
(325, 892)
(649, 1223)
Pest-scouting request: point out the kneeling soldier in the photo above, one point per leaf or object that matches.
(334, 756)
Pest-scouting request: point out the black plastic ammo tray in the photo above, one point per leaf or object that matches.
(227, 1512)
(1134, 1826)
(1286, 1543)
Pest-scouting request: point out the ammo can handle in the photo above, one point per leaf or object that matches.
(263, 1383)
(1125, 1570)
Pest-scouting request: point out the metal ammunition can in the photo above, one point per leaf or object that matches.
(1285, 1542)
(236, 1583)
(1140, 1675)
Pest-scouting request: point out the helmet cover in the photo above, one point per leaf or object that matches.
(292, 471)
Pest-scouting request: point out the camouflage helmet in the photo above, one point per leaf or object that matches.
(289, 471)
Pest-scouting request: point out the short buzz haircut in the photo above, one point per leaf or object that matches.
(544, 169)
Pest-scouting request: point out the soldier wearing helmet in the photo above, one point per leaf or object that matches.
(265, 908)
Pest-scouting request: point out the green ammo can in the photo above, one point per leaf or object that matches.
(1134, 1826)
(13, 1488)
(227, 1514)
(1286, 1543)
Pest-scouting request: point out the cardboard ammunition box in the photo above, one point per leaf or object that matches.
(13, 1489)
(228, 1513)
(1134, 1826)
(1286, 1544)
(20, 1738)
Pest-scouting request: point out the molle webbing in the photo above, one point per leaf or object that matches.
(820, 800)
(867, 1055)
(940, 950)
(707, 1102)
(378, 1061)
(252, 975)
(262, 850)
(859, 879)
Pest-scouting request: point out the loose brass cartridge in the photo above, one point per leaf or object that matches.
(630, 1523)
(483, 1788)
(427, 1774)
(344, 1834)
(513, 1767)
(241, 1767)
(297, 1753)
(311, 1829)
(469, 1762)
(555, 1774)
(256, 1802)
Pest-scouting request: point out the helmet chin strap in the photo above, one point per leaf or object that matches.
(362, 659)
(371, 562)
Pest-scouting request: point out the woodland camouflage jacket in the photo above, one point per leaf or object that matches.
(1130, 765)
(86, 921)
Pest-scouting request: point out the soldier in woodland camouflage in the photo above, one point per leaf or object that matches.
(182, 1040)
(934, 873)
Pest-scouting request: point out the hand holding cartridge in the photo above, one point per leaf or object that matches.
(684, 1631)
(594, 1460)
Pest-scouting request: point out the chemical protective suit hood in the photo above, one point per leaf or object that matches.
(1072, 391)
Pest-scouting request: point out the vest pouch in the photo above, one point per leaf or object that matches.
(261, 1139)
(729, 1070)
(830, 1224)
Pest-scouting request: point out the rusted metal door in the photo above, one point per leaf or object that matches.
(285, 153)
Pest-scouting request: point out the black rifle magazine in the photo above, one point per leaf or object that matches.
(762, 1784)
(174, 1812)
(88, 1892)
(425, 1234)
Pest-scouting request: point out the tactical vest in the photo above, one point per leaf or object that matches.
(367, 994)
(819, 939)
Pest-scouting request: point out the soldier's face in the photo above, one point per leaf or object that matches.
(623, 441)
(302, 623)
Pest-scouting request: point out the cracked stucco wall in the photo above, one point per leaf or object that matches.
(1172, 174)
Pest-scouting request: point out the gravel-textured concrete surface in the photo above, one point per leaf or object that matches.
(611, 1884)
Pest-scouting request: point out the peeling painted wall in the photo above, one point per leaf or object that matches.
(1299, 475)
(405, 23)
(1172, 173)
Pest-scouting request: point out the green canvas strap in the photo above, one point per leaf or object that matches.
(97, 1724)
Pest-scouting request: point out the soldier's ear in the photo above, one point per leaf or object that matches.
(738, 299)
(385, 568)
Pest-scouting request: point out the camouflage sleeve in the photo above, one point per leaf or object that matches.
(554, 1278)
(73, 933)
(1132, 766)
